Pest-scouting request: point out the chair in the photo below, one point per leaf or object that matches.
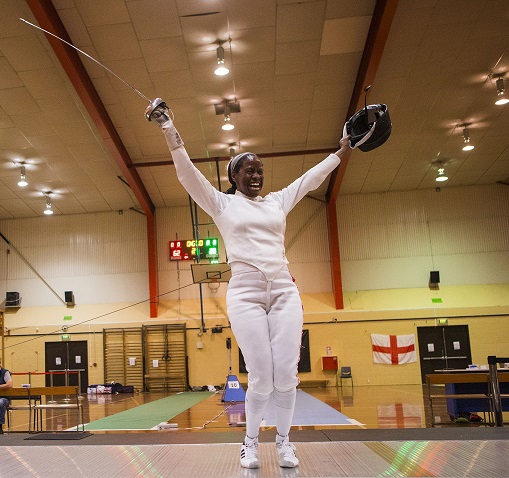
(345, 372)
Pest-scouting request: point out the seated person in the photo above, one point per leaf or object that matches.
(5, 382)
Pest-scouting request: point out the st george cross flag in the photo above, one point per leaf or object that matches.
(393, 349)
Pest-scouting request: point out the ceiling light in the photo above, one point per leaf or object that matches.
(441, 176)
(49, 208)
(466, 139)
(225, 108)
(22, 180)
(502, 99)
(221, 70)
(227, 125)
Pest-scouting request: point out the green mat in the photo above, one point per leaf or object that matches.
(149, 415)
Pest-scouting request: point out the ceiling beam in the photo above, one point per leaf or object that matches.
(47, 18)
(379, 29)
(215, 159)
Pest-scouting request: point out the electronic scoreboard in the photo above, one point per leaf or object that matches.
(192, 249)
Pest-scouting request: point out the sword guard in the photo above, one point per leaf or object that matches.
(157, 111)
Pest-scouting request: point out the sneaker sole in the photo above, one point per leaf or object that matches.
(250, 465)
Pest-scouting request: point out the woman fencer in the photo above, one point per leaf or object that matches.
(263, 303)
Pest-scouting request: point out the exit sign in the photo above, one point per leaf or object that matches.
(443, 321)
(65, 337)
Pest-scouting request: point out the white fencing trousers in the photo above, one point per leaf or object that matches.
(266, 317)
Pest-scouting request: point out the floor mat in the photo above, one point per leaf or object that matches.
(309, 411)
(148, 415)
(59, 436)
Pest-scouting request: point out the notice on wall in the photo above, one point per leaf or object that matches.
(77, 358)
(431, 347)
(456, 345)
(58, 360)
(155, 363)
(132, 361)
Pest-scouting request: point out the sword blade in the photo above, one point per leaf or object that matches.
(88, 56)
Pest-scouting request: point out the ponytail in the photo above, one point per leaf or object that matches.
(232, 189)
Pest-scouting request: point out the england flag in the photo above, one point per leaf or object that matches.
(393, 349)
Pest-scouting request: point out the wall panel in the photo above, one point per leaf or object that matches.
(99, 256)
(78, 245)
(306, 233)
(393, 240)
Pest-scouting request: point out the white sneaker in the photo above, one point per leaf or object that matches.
(286, 453)
(249, 454)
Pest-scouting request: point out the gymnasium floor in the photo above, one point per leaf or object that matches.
(390, 438)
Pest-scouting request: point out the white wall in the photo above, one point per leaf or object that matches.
(394, 240)
(387, 241)
(101, 257)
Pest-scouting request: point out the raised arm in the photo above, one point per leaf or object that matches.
(312, 178)
(195, 183)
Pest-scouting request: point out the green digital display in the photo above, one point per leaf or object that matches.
(192, 249)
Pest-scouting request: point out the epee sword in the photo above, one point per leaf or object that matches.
(156, 111)
(88, 56)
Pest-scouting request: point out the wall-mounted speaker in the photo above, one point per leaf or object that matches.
(69, 298)
(434, 277)
(12, 299)
(434, 280)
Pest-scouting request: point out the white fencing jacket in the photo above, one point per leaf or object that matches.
(253, 229)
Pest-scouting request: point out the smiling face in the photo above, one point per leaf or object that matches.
(249, 177)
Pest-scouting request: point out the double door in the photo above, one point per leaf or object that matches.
(67, 363)
(443, 347)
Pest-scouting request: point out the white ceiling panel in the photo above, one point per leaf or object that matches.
(188, 8)
(9, 78)
(246, 14)
(297, 57)
(105, 12)
(25, 52)
(293, 69)
(300, 21)
(344, 35)
(125, 47)
(154, 18)
(205, 32)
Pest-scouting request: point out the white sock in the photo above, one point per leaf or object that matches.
(255, 408)
(248, 440)
(284, 406)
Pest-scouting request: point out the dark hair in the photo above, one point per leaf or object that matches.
(237, 161)
(233, 187)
